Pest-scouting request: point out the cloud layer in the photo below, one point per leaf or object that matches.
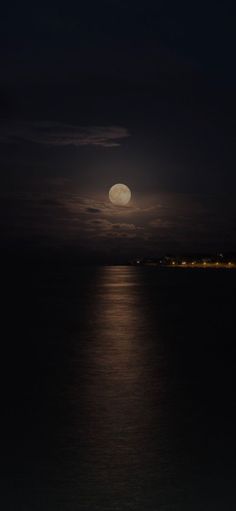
(59, 134)
(59, 215)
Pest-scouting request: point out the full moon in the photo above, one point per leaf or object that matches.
(119, 194)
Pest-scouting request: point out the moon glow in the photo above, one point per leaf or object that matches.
(120, 194)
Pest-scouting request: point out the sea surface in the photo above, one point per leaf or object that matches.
(118, 389)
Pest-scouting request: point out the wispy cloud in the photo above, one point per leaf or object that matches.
(101, 227)
(60, 134)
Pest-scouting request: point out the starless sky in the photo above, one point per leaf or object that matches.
(99, 92)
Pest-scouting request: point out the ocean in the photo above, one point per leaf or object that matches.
(118, 389)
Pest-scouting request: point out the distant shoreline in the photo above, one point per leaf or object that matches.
(216, 266)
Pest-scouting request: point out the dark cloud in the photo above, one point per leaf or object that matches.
(129, 227)
(59, 134)
(101, 227)
(93, 210)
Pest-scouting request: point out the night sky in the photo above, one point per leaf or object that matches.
(99, 92)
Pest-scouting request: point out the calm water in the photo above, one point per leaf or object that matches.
(117, 390)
